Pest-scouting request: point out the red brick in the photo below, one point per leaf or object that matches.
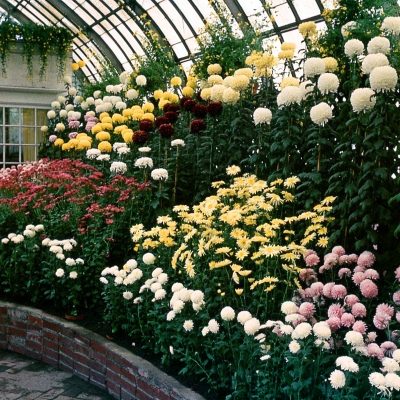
(98, 357)
(160, 395)
(97, 379)
(34, 336)
(3, 319)
(114, 357)
(50, 344)
(3, 310)
(12, 331)
(50, 353)
(142, 384)
(96, 366)
(66, 332)
(54, 336)
(3, 345)
(16, 348)
(51, 326)
(64, 366)
(130, 387)
(67, 351)
(81, 358)
(35, 320)
(81, 348)
(67, 361)
(37, 355)
(52, 362)
(17, 314)
(112, 376)
(30, 344)
(17, 341)
(17, 323)
(114, 389)
(140, 395)
(128, 374)
(114, 367)
(98, 347)
(82, 339)
(81, 370)
(126, 395)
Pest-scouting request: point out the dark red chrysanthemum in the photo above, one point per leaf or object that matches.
(146, 125)
(172, 116)
(197, 126)
(214, 108)
(166, 130)
(183, 100)
(199, 111)
(162, 119)
(140, 137)
(189, 105)
(171, 107)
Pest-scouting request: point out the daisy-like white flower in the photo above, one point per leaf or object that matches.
(188, 325)
(232, 170)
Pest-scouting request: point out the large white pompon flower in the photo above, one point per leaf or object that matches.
(377, 379)
(321, 330)
(383, 79)
(362, 99)
(328, 83)
(243, 316)
(262, 115)
(159, 174)
(149, 258)
(251, 326)
(306, 87)
(392, 381)
(337, 379)
(118, 167)
(321, 113)
(289, 95)
(141, 80)
(391, 25)
(289, 307)
(227, 313)
(302, 330)
(314, 66)
(372, 61)
(378, 44)
(353, 47)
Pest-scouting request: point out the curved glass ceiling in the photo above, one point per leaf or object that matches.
(114, 29)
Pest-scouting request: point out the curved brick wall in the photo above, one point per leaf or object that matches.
(86, 354)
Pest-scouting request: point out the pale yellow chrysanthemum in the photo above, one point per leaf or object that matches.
(223, 250)
(235, 278)
(312, 228)
(289, 232)
(136, 228)
(200, 248)
(267, 279)
(290, 256)
(250, 220)
(189, 267)
(323, 231)
(269, 288)
(318, 219)
(288, 46)
(168, 242)
(274, 198)
(236, 267)
(217, 184)
(308, 239)
(232, 170)
(243, 243)
(181, 207)
(260, 239)
(238, 233)
(323, 241)
(277, 182)
(306, 215)
(239, 291)
(246, 272)
(231, 217)
(290, 219)
(270, 250)
(321, 209)
(137, 236)
(163, 219)
(291, 182)
(241, 254)
(328, 200)
(219, 264)
(190, 234)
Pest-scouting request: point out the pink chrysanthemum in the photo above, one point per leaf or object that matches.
(359, 310)
(339, 250)
(312, 260)
(309, 252)
(360, 326)
(366, 259)
(386, 309)
(398, 316)
(338, 292)
(359, 268)
(368, 289)
(344, 272)
(277, 331)
(397, 272)
(350, 300)
(335, 310)
(334, 323)
(371, 337)
(381, 320)
(317, 287)
(330, 260)
(309, 293)
(327, 289)
(307, 274)
(358, 277)
(353, 258)
(396, 298)
(347, 320)
(388, 348)
(344, 259)
(371, 274)
(375, 351)
(307, 309)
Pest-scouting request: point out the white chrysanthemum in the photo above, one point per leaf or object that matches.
(230, 96)
(132, 94)
(160, 294)
(184, 294)
(93, 153)
(289, 95)
(243, 316)
(149, 258)
(177, 306)
(378, 44)
(391, 25)
(155, 286)
(251, 326)
(60, 272)
(240, 82)
(213, 326)
(63, 113)
(328, 83)
(306, 88)
(145, 149)
(171, 315)
(197, 296)
(321, 330)
(29, 233)
(289, 81)
(103, 157)
(288, 307)
(262, 115)
(392, 381)
(348, 27)
(347, 364)
(127, 295)
(227, 313)
(17, 239)
(337, 379)
(390, 365)
(294, 346)
(159, 174)
(383, 79)
(353, 47)
(362, 99)
(314, 66)
(120, 105)
(214, 69)
(215, 79)
(377, 379)
(396, 355)
(141, 80)
(70, 262)
(205, 330)
(103, 280)
(188, 325)
(5, 240)
(162, 278)
(176, 287)
(217, 92)
(144, 162)
(321, 113)
(118, 167)
(302, 330)
(354, 338)
(178, 142)
(56, 249)
(372, 61)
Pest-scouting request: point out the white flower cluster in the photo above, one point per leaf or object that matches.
(321, 113)
(159, 174)
(262, 115)
(362, 99)
(144, 162)
(289, 95)
(383, 79)
(391, 25)
(353, 47)
(372, 61)
(314, 66)
(118, 167)
(178, 142)
(378, 44)
(328, 83)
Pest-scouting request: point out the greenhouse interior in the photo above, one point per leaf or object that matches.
(213, 185)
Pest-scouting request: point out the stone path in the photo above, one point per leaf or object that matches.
(24, 378)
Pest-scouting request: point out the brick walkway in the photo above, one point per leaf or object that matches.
(25, 378)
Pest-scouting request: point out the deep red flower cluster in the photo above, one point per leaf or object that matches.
(166, 130)
(140, 137)
(146, 125)
(197, 125)
(214, 108)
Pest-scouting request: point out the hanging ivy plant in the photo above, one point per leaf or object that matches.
(46, 39)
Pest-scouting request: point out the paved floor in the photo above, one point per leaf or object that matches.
(25, 378)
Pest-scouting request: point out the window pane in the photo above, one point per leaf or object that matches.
(12, 154)
(12, 134)
(41, 117)
(28, 153)
(40, 136)
(12, 116)
(1, 115)
(28, 116)
(28, 136)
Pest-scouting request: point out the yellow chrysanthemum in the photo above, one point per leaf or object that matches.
(81, 63)
(158, 94)
(118, 119)
(102, 135)
(127, 112)
(84, 144)
(59, 142)
(105, 147)
(323, 241)
(286, 55)
(75, 66)
(188, 91)
(176, 81)
(148, 107)
(241, 254)
(288, 46)
(118, 129)
(148, 116)
(97, 128)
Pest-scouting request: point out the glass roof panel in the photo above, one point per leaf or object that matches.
(165, 26)
(86, 16)
(282, 13)
(180, 50)
(177, 19)
(306, 9)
